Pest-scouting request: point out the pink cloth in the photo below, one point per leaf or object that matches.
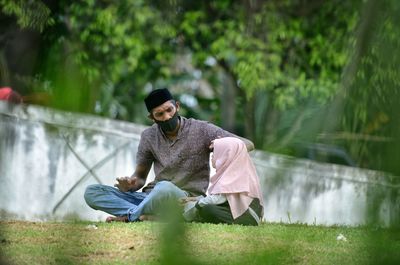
(10, 95)
(235, 176)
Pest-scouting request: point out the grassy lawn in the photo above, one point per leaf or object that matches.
(161, 243)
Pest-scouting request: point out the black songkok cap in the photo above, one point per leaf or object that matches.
(156, 98)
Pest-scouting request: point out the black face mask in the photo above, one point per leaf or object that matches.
(169, 125)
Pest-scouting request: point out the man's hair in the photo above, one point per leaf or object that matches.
(156, 98)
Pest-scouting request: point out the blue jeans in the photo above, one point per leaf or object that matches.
(113, 201)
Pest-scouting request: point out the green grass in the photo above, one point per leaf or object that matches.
(160, 243)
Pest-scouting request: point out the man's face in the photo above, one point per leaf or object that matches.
(165, 111)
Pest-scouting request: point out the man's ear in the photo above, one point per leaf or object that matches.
(178, 105)
(150, 116)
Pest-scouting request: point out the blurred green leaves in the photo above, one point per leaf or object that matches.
(285, 63)
(29, 14)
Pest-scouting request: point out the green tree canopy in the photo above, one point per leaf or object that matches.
(281, 73)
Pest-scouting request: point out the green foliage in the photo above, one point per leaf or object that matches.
(371, 107)
(294, 57)
(282, 56)
(286, 62)
(119, 46)
(30, 14)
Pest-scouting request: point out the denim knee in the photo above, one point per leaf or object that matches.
(166, 189)
(91, 192)
(165, 186)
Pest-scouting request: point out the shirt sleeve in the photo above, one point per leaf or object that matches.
(212, 199)
(213, 132)
(144, 156)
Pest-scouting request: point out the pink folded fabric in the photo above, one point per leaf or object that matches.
(235, 176)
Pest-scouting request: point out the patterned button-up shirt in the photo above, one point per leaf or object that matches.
(183, 161)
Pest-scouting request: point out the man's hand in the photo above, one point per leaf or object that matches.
(125, 184)
(184, 200)
(211, 146)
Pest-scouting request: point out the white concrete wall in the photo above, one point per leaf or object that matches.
(38, 168)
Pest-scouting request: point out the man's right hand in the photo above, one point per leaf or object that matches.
(125, 184)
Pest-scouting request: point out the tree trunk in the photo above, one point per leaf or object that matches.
(228, 100)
